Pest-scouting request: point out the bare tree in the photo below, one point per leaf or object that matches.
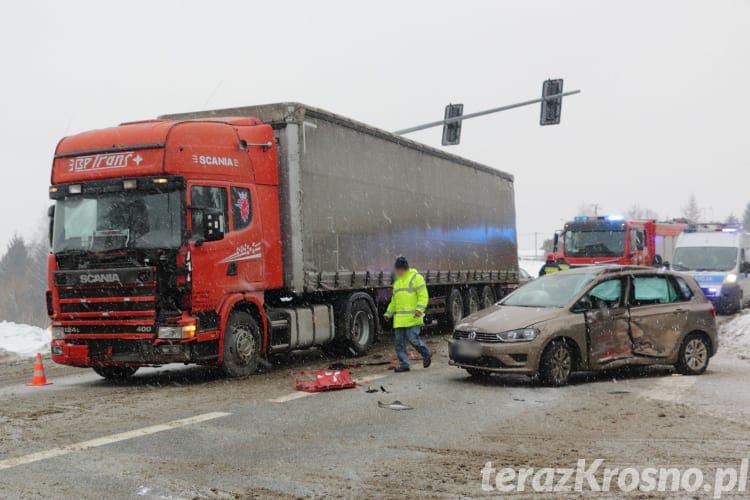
(692, 211)
(637, 212)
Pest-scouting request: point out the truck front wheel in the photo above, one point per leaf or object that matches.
(241, 345)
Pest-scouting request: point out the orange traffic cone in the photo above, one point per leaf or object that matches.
(39, 377)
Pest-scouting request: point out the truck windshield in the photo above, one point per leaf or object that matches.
(595, 243)
(553, 290)
(704, 259)
(100, 222)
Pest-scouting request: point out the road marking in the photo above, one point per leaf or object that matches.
(102, 441)
(302, 394)
(671, 388)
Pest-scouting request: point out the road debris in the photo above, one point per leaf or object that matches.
(324, 380)
(396, 405)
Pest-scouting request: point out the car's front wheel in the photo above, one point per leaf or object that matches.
(556, 364)
(694, 355)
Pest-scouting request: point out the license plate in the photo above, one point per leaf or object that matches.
(469, 349)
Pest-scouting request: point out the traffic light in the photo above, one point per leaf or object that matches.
(452, 131)
(551, 109)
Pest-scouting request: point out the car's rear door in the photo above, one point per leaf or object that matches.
(658, 314)
(607, 322)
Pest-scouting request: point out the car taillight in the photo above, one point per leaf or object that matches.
(713, 310)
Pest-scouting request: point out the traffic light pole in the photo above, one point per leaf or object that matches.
(440, 123)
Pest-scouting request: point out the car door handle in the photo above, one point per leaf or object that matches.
(679, 311)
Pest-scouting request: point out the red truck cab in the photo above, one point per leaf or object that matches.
(140, 210)
(612, 239)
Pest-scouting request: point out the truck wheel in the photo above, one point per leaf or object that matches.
(694, 354)
(488, 297)
(454, 308)
(556, 364)
(356, 326)
(472, 301)
(241, 345)
(115, 372)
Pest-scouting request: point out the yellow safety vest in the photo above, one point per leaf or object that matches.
(409, 296)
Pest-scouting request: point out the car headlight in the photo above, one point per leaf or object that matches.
(58, 332)
(520, 335)
(730, 278)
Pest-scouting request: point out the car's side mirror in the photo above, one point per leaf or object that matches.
(745, 268)
(583, 305)
(666, 264)
(213, 226)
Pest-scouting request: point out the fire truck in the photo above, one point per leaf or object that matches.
(222, 237)
(612, 239)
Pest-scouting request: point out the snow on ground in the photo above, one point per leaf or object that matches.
(24, 340)
(734, 337)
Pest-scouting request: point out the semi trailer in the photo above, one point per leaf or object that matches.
(221, 237)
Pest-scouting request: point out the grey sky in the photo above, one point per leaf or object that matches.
(663, 110)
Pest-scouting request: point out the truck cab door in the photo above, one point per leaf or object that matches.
(658, 315)
(607, 323)
(247, 235)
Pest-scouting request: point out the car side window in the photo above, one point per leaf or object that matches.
(650, 290)
(205, 198)
(607, 294)
(686, 293)
(242, 208)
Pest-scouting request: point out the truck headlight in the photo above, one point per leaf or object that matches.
(58, 332)
(177, 332)
(520, 335)
(730, 278)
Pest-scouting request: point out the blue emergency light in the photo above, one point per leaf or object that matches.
(613, 218)
(581, 218)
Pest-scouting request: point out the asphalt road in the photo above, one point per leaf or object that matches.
(189, 433)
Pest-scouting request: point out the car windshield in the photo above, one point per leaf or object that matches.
(554, 290)
(110, 221)
(704, 259)
(594, 243)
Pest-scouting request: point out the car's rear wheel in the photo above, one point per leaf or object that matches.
(694, 355)
(115, 372)
(556, 364)
(478, 374)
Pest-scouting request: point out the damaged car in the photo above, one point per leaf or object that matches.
(589, 319)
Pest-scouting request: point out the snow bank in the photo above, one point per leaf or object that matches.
(24, 340)
(734, 337)
(530, 265)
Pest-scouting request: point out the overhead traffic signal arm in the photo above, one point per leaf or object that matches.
(551, 100)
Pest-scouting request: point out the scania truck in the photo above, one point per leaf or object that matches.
(222, 237)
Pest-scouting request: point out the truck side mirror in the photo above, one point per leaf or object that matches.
(555, 242)
(658, 261)
(213, 226)
(745, 268)
(51, 215)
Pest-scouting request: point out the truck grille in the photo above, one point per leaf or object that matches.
(107, 294)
